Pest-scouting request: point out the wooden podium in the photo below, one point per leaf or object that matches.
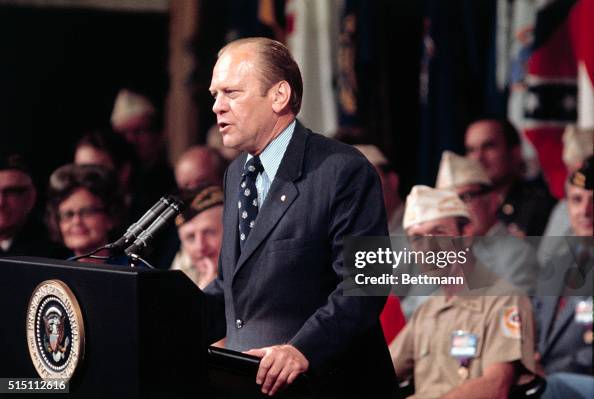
(142, 333)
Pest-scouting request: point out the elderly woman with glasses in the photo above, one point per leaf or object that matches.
(84, 207)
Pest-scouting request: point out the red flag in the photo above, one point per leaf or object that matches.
(392, 318)
(551, 103)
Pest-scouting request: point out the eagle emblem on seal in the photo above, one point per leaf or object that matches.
(53, 341)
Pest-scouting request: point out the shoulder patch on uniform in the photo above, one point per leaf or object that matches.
(511, 323)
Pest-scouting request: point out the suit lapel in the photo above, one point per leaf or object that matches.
(281, 195)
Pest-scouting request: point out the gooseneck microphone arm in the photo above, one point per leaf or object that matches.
(137, 228)
(144, 239)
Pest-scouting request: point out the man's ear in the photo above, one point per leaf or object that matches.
(281, 95)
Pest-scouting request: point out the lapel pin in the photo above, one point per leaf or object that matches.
(283, 198)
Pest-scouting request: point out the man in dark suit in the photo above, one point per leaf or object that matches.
(564, 302)
(290, 200)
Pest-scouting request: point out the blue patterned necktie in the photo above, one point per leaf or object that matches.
(248, 198)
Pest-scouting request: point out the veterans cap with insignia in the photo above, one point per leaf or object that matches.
(577, 144)
(14, 161)
(198, 201)
(583, 177)
(425, 203)
(373, 154)
(456, 170)
(129, 109)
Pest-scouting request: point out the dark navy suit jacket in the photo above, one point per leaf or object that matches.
(286, 284)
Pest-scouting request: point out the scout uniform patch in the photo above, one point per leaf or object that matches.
(511, 323)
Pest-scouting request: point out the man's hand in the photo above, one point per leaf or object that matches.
(207, 268)
(280, 365)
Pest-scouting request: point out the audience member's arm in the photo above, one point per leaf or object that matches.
(496, 382)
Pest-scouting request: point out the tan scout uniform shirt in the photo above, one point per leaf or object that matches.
(424, 344)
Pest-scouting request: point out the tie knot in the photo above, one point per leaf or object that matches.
(253, 167)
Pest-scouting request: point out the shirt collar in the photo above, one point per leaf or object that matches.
(272, 155)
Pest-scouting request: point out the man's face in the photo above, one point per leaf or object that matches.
(244, 111)
(482, 206)
(446, 227)
(201, 237)
(485, 143)
(579, 202)
(17, 197)
(432, 236)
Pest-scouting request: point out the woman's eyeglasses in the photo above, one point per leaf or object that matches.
(83, 213)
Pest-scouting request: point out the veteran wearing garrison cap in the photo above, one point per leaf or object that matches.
(509, 257)
(200, 230)
(458, 345)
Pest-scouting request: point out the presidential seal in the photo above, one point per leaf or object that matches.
(55, 330)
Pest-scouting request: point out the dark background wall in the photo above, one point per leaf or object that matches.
(60, 70)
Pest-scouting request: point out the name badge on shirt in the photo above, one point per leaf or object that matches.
(583, 313)
(463, 345)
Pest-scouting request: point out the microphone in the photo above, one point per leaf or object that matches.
(136, 228)
(175, 207)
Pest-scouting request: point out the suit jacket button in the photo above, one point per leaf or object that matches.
(238, 323)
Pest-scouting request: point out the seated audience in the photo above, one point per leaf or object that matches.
(84, 208)
(509, 257)
(469, 339)
(20, 232)
(563, 317)
(526, 205)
